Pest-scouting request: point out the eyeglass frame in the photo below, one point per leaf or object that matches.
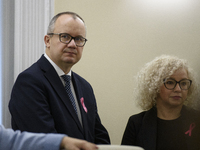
(164, 80)
(72, 38)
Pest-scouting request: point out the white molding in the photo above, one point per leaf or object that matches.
(24, 26)
(31, 20)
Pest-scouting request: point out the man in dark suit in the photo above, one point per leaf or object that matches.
(39, 101)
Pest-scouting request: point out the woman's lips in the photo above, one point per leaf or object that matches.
(176, 97)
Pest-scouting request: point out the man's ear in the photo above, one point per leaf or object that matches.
(47, 40)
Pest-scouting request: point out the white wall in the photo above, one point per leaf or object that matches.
(122, 36)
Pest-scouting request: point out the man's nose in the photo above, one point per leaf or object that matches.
(72, 43)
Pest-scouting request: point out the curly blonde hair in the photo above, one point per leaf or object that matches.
(150, 79)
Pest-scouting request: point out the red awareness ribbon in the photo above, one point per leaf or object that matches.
(192, 125)
(82, 102)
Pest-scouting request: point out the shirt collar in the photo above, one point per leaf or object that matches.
(58, 70)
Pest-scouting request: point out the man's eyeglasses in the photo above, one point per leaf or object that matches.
(66, 38)
(183, 84)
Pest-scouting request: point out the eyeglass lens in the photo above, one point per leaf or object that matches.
(66, 38)
(184, 84)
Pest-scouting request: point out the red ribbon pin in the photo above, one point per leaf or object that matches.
(82, 102)
(192, 126)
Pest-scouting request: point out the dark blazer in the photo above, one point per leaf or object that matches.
(39, 103)
(141, 129)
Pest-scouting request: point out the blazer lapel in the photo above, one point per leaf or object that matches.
(54, 80)
(149, 127)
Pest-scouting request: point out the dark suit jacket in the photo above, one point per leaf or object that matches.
(141, 129)
(39, 103)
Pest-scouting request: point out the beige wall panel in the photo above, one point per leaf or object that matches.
(122, 36)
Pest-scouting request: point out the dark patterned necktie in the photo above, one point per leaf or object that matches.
(68, 90)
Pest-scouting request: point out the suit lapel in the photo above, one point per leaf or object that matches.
(79, 95)
(54, 80)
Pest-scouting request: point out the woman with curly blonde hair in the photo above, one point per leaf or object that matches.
(168, 92)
